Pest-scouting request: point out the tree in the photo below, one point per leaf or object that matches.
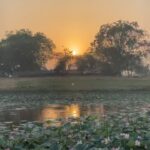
(63, 63)
(24, 51)
(120, 46)
(87, 64)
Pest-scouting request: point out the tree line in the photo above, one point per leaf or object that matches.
(118, 47)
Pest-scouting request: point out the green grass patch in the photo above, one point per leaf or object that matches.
(74, 83)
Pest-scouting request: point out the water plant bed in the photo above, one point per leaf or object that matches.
(89, 133)
(98, 121)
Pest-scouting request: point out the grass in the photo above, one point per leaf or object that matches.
(74, 83)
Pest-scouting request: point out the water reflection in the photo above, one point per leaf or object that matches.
(63, 111)
(51, 111)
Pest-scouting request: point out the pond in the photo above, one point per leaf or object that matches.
(18, 107)
(51, 112)
(67, 120)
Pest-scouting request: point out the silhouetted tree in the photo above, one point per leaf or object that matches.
(87, 64)
(63, 63)
(119, 46)
(24, 51)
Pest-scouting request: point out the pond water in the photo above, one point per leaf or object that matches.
(24, 118)
(24, 107)
(51, 111)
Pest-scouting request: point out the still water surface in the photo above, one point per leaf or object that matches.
(51, 111)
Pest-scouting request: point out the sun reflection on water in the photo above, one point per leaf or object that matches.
(73, 111)
(69, 111)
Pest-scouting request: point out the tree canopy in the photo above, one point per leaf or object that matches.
(87, 63)
(24, 51)
(118, 47)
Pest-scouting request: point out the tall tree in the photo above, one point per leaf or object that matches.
(24, 51)
(121, 45)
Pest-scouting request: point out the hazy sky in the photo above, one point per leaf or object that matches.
(70, 23)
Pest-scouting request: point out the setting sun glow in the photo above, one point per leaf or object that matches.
(76, 20)
(75, 51)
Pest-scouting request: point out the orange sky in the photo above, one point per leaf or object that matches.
(70, 23)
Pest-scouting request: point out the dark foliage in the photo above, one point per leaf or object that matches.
(24, 51)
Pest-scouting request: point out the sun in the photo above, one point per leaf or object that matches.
(75, 51)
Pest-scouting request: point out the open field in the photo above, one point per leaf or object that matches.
(74, 83)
